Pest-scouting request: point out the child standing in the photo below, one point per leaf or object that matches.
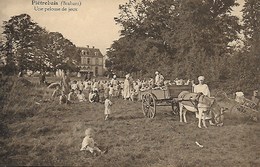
(108, 104)
(63, 98)
(111, 91)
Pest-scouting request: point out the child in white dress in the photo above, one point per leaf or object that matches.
(111, 91)
(88, 142)
(108, 104)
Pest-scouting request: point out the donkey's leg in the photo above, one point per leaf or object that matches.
(210, 121)
(204, 120)
(184, 115)
(200, 115)
(181, 108)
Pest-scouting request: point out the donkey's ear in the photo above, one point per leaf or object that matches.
(199, 94)
(223, 109)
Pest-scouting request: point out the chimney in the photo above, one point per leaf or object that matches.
(87, 46)
(93, 47)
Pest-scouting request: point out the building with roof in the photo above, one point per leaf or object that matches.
(92, 61)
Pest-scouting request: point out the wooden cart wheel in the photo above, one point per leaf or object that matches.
(175, 107)
(149, 105)
(246, 111)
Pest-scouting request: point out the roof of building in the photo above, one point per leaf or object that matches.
(90, 52)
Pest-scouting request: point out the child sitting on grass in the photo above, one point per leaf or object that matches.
(81, 96)
(107, 112)
(89, 144)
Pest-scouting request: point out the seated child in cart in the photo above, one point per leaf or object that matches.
(240, 98)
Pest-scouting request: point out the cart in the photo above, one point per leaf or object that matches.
(162, 96)
(246, 106)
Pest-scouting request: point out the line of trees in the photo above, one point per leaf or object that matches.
(188, 38)
(28, 46)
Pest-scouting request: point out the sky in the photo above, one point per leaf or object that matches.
(92, 24)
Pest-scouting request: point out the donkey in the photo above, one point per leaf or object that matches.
(201, 104)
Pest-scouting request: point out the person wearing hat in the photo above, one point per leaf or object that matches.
(158, 79)
(204, 89)
(114, 83)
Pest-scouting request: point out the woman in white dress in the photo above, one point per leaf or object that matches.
(127, 89)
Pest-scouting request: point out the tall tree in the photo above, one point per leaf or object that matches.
(251, 20)
(181, 38)
(30, 47)
(21, 34)
(247, 71)
(60, 53)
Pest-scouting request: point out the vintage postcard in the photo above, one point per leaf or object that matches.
(145, 83)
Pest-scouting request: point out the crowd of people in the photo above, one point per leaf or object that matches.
(102, 91)
(98, 90)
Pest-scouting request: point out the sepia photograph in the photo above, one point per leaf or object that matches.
(130, 83)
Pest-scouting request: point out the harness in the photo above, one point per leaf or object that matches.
(194, 102)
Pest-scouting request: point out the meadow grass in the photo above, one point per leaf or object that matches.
(37, 132)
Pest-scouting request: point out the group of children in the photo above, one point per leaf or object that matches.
(76, 94)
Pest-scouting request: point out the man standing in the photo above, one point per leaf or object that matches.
(158, 79)
(204, 89)
(65, 83)
(201, 87)
(114, 83)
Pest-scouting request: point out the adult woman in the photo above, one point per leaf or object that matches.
(127, 89)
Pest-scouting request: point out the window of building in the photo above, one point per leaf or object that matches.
(82, 60)
(96, 60)
(88, 60)
(83, 52)
(96, 71)
(96, 53)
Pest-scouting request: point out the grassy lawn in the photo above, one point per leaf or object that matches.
(37, 132)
